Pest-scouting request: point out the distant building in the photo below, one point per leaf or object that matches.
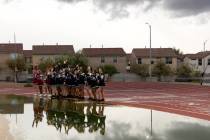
(102, 56)
(27, 54)
(8, 51)
(42, 52)
(199, 61)
(166, 55)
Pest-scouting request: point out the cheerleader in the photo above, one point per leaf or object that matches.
(81, 82)
(59, 82)
(75, 84)
(37, 79)
(94, 84)
(101, 84)
(69, 82)
(53, 82)
(88, 82)
(49, 80)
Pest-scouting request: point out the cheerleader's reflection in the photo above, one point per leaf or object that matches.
(65, 115)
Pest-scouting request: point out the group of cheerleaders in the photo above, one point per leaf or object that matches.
(63, 81)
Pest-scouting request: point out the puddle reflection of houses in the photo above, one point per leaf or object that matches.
(13, 104)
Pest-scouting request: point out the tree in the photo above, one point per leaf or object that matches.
(177, 51)
(16, 65)
(161, 69)
(72, 60)
(79, 59)
(46, 64)
(109, 69)
(196, 73)
(184, 71)
(140, 69)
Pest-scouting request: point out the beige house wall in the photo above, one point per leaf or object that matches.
(3, 60)
(120, 65)
(193, 63)
(36, 59)
(173, 66)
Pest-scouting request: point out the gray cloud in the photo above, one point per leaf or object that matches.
(182, 8)
(71, 1)
(121, 131)
(117, 8)
(188, 131)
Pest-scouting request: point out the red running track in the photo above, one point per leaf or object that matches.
(184, 99)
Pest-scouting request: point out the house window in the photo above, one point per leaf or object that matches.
(168, 60)
(114, 59)
(199, 62)
(13, 55)
(29, 60)
(139, 61)
(208, 61)
(102, 59)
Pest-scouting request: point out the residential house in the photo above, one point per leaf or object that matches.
(27, 54)
(42, 52)
(103, 56)
(8, 51)
(199, 61)
(166, 55)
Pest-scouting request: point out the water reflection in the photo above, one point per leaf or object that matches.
(79, 120)
(70, 114)
(13, 104)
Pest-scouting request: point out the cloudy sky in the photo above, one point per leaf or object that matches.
(183, 24)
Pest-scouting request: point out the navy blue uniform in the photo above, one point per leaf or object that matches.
(101, 80)
(81, 79)
(93, 81)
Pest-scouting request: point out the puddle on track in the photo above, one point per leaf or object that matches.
(45, 119)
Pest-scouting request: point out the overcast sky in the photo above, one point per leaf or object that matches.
(183, 24)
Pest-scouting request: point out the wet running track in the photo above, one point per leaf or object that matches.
(184, 99)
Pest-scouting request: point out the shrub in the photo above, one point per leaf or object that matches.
(184, 71)
(161, 69)
(46, 64)
(109, 69)
(196, 74)
(140, 69)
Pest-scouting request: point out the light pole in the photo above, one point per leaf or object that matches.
(204, 49)
(150, 51)
(15, 58)
(204, 62)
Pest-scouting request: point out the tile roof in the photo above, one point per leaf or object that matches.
(98, 52)
(198, 55)
(53, 49)
(27, 53)
(156, 52)
(6, 48)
